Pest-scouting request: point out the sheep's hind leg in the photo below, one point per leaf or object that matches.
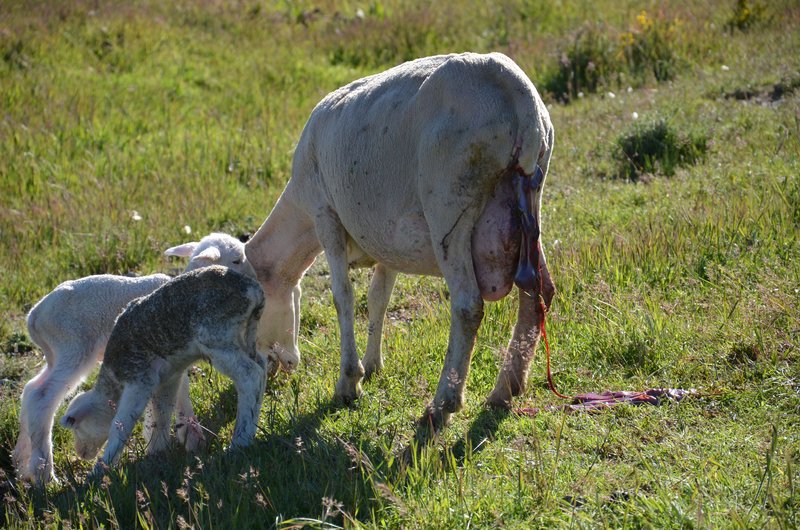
(40, 400)
(380, 291)
(249, 377)
(159, 416)
(513, 375)
(187, 429)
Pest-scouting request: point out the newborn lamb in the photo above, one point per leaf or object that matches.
(72, 325)
(211, 314)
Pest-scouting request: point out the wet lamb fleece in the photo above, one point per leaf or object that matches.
(163, 324)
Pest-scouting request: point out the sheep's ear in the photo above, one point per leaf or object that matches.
(210, 255)
(182, 251)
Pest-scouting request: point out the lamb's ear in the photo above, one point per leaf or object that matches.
(68, 421)
(75, 413)
(208, 256)
(182, 251)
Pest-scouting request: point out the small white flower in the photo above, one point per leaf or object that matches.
(135, 216)
(612, 95)
(630, 89)
(187, 229)
(580, 94)
(635, 115)
(725, 67)
(360, 13)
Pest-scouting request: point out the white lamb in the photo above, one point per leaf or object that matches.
(72, 325)
(210, 313)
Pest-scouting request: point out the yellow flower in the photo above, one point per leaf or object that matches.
(644, 21)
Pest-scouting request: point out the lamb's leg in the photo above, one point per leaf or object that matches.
(159, 420)
(333, 238)
(249, 377)
(40, 400)
(380, 291)
(129, 409)
(187, 429)
(22, 451)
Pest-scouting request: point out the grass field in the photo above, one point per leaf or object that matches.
(671, 222)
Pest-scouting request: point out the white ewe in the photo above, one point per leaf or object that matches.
(436, 167)
(210, 313)
(72, 325)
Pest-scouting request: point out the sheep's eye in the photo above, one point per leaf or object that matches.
(237, 262)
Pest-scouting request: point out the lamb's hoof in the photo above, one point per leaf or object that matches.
(43, 475)
(37, 471)
(19, 455)
(99, 470)
(190, 435)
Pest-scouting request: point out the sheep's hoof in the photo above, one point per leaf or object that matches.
(434, 418)
(371, 370)
(99, 470)
(347, 393)
(499, 400)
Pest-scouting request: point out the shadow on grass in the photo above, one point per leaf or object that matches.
(481, 430)
(287, 473)
(292, 472)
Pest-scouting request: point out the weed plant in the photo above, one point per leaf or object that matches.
(656, 146)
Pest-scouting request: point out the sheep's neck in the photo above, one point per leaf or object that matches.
(284, 247)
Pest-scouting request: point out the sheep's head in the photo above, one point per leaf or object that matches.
(89, 420)
(214, 249)
(277, 329)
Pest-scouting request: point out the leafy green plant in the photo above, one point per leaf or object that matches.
(657, 146)
(745, 14)
(651, 47)
(584, 65)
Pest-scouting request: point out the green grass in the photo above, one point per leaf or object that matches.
(187, 113)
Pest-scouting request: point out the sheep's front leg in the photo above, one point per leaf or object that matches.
(333, 238)
(249, 376)
(380, 291)
(129, 409)
(454, 256)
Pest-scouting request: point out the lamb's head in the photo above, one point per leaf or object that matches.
(89, 418)
(214, 249)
